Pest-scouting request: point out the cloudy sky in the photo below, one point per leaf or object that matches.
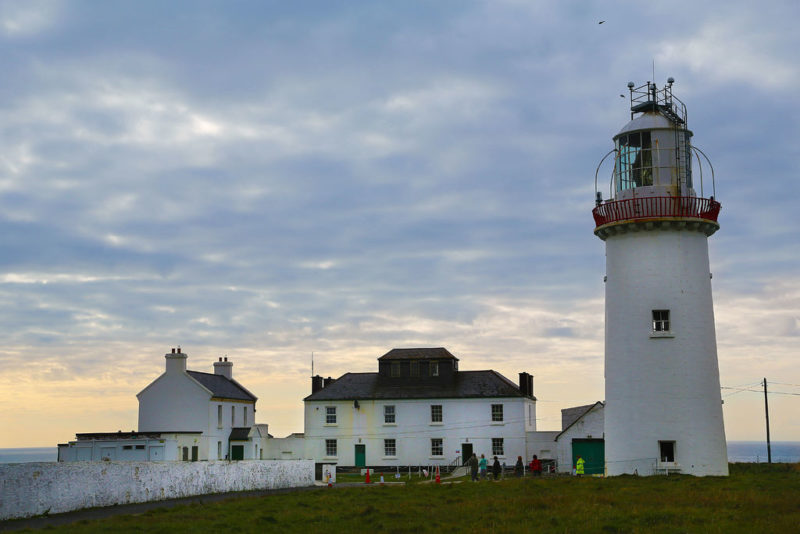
(264, 180)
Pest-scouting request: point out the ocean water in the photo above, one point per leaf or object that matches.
(30, 454)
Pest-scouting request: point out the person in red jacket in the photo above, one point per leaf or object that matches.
(535, 466)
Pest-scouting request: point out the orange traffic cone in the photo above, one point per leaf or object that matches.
(367, 480)
(438, 478)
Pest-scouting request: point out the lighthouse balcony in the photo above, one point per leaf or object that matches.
(615, 216)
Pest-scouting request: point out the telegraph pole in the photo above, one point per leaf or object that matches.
(766, 409)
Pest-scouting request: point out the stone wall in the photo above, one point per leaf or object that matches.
(36, 488)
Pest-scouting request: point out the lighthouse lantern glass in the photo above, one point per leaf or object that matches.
(634, 160)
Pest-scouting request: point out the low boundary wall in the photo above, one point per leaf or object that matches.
(37, 488)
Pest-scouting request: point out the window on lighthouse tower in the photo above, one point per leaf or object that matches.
(660, 320)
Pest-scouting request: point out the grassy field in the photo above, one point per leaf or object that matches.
(755, 498)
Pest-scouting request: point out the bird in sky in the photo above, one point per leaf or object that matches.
(602, 21)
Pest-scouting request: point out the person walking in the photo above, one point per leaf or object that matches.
(482, 467)
(579, 466)
(496, 468)
(473, 467)
(518, 467)
(536, 466)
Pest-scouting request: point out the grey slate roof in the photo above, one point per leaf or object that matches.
(465, 384)
(438, 353)
(221, 386)
(570, 415)
(239, 433)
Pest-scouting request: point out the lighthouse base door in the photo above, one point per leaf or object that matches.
(593, 452)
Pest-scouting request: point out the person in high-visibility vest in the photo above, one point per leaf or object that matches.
(579, 466)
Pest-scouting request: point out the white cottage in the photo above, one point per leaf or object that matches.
(183, 415)
(418, 409)
(214, 404)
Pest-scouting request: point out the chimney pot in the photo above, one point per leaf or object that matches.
(226, 358)
(173, 350)
(179, 350)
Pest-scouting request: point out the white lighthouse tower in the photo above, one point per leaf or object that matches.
(663, 408)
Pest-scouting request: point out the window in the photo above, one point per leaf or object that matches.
(666, 451)
(219, 448)
(330, 416)
(497, 413)
(437, 448)
(389, 447)
(330, 447)
(127, 447)
(660, 320)
(233, 415)
(244, 415)
(497, 447)
(219, 416)
(140, 447)
(388, 415)
(394, 368)
(414, 368)
(436, 413)
(434, 367)
(530, 415)
(634, 161)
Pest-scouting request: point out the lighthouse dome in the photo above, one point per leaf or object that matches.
(647, 121)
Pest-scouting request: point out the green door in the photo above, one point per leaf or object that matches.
(361, 456)
(237, 452)
(593, 452)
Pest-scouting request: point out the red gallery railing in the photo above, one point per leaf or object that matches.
(656, 207)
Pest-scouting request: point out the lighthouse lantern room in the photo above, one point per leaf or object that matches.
(663, 408)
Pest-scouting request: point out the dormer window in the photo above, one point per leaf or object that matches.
(394, 369)
(414, 368)
(434, 368)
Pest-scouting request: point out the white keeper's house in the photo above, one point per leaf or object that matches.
(418, 409)
(183, 415)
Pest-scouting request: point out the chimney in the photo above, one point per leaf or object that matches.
(328, 381)
(316, 383)
(526, 384)
(176, 361)
(224, 367)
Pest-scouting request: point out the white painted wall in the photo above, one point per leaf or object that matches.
(590, 426)
(292, 447)
(123, 450)
(173, 402)
(35, 488)
(661, 388)
(463, 421)
(543, 444)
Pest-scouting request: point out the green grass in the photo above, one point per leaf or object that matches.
(755, 498)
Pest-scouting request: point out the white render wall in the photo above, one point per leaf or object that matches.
(543, 444)
(35, 488)
(590, 426)
(661, 388)
(463, 421)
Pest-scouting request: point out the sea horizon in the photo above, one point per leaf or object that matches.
(738, 452)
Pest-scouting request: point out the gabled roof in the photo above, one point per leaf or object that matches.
(465, 384)
(589, 408)
(239, 433)
(222, 387)
(438, 353)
